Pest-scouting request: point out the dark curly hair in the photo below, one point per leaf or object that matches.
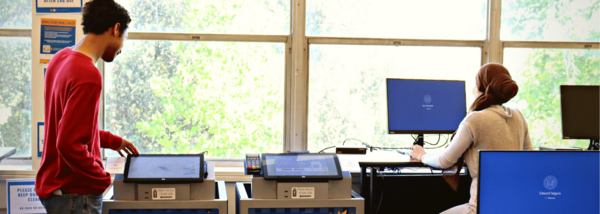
(101, 15)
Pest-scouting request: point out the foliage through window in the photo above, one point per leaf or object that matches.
(347, 90)
(551, 20)
(15, 94)
(438, 19)
(539, 74)
(204, 16)
(15, 14)
(226, 98)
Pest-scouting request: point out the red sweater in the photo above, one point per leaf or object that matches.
(72, 159)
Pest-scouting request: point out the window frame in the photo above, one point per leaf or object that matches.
(18, 166)
(492, 49)
(201, 37)
(297, 46)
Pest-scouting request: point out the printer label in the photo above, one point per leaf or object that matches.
(303, 192)
(163, 193)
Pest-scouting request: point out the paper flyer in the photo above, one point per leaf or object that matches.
(56, 34)
(58, 6)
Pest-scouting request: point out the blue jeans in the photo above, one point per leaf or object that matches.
(73, 204)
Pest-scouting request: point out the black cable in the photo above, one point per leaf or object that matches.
(438, 141)
(445, 143)
(382, 190)
(411, 168)
(363, 143)
(322, 150)
(391, 148)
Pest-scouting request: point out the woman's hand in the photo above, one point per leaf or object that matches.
(417, 152)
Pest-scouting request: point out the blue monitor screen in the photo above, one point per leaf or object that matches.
(425, 106)
(301, 165)
(164, 167)
(539, 182)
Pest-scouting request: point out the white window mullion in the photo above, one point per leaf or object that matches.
(494, 45)
(299, 98)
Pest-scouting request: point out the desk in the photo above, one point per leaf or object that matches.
(6, 152)
(375, 160)
(379, 160)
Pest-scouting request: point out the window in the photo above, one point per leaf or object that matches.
(550, 20)
(15, 94)
(539, 74)
(347, 97)
(15, 78)
(15, 14)
(540, 68)
(437, 19)
(216, 16)
(225, 98)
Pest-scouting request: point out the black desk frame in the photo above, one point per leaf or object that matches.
(367, 188)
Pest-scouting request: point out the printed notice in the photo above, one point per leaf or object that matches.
(349, 163)
(22, 197)
(56, 34)
(58, 6)
(41, 134)
(163, 193)
(303, 192)
(115, 165)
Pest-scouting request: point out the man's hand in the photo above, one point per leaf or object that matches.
(128, 147)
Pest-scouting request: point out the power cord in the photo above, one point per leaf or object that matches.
(363, 143)
(438, 141)
(372, 148)
(440, 146)
(326, 148)
(382, 190)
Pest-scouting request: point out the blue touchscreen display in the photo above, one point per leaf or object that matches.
(164, 167)
(301, 165)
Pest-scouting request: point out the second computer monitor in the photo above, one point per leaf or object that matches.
(579, 111)
(425, 106)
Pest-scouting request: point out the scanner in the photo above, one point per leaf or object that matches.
(297, 183)
(166, 184)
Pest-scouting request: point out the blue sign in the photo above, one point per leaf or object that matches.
(57, 34)
(40, 138)
(58, 6)
(21, 197)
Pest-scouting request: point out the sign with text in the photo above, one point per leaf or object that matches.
(21, 197)
(40, 136)
(56, 34)
(58, 6)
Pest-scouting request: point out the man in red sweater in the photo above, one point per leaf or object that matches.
(71, 178)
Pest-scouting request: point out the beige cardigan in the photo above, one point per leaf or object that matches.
(496, 127)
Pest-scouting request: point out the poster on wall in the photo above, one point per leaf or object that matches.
(56, 34)
(58, 6)
(40, 137)
(21, 197)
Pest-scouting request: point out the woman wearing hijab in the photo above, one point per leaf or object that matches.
(489, 125)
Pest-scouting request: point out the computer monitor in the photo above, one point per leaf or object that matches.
(538, 182)
(580, 112)
(425, 106)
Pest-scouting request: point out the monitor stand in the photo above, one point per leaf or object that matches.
(594, 144)
(419, 141)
